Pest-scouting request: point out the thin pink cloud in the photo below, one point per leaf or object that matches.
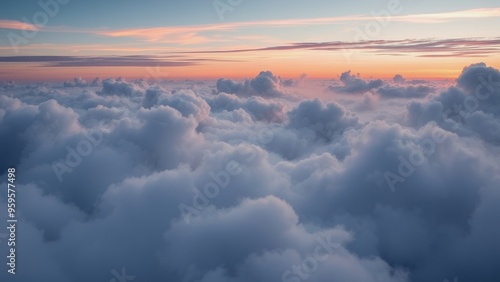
(17, 25)
(196, 34)
(178, 33)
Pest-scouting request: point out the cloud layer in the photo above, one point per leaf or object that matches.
(247, 181)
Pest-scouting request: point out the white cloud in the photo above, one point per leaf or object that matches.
(262, 176)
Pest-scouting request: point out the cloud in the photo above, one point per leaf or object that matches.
(193, 34)
(198, 33)
(393, 91)
(80, 82)
(257, 107)
(355, 84)
(115, 61)
(8, 84)
(399, 79)
(479, 78)
(184, 101)
(289, 82)
(451, 47)
(265, 84)
(121, 87)
(369, 102)
(325, 121)
(17, 25)
(472, 106)
(448, 16)
(170, 181)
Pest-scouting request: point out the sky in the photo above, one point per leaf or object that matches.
(244, 141)
(59, 40)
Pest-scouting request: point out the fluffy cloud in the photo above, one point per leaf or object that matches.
(399, 79)
(354, 84)
(121, 87)
(323, 121)
(265, 84)
(8, 84)
(257, 107)
(171, 181)
(411, 91)
(471, 107)
(80, 82)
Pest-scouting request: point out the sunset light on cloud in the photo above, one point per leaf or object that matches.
(367, 33)
(249, 141)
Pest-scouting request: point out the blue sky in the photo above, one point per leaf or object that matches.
(170, 28)
(292, 141)
(127, 13)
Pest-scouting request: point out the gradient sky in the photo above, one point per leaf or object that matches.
(191, 39)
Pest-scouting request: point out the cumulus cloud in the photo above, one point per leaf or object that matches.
(8, 84)
(354, 84)
(399, 79)
(170, 181)
(324, 121)
(121, 87)
(411, 91)
(257, 107)
(471, 107)
(80, 82)
(265, 84)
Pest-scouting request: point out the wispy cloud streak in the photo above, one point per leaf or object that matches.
(420, 47)
(193, 34)
(160, 33)
(17, 25)
(114, 61)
